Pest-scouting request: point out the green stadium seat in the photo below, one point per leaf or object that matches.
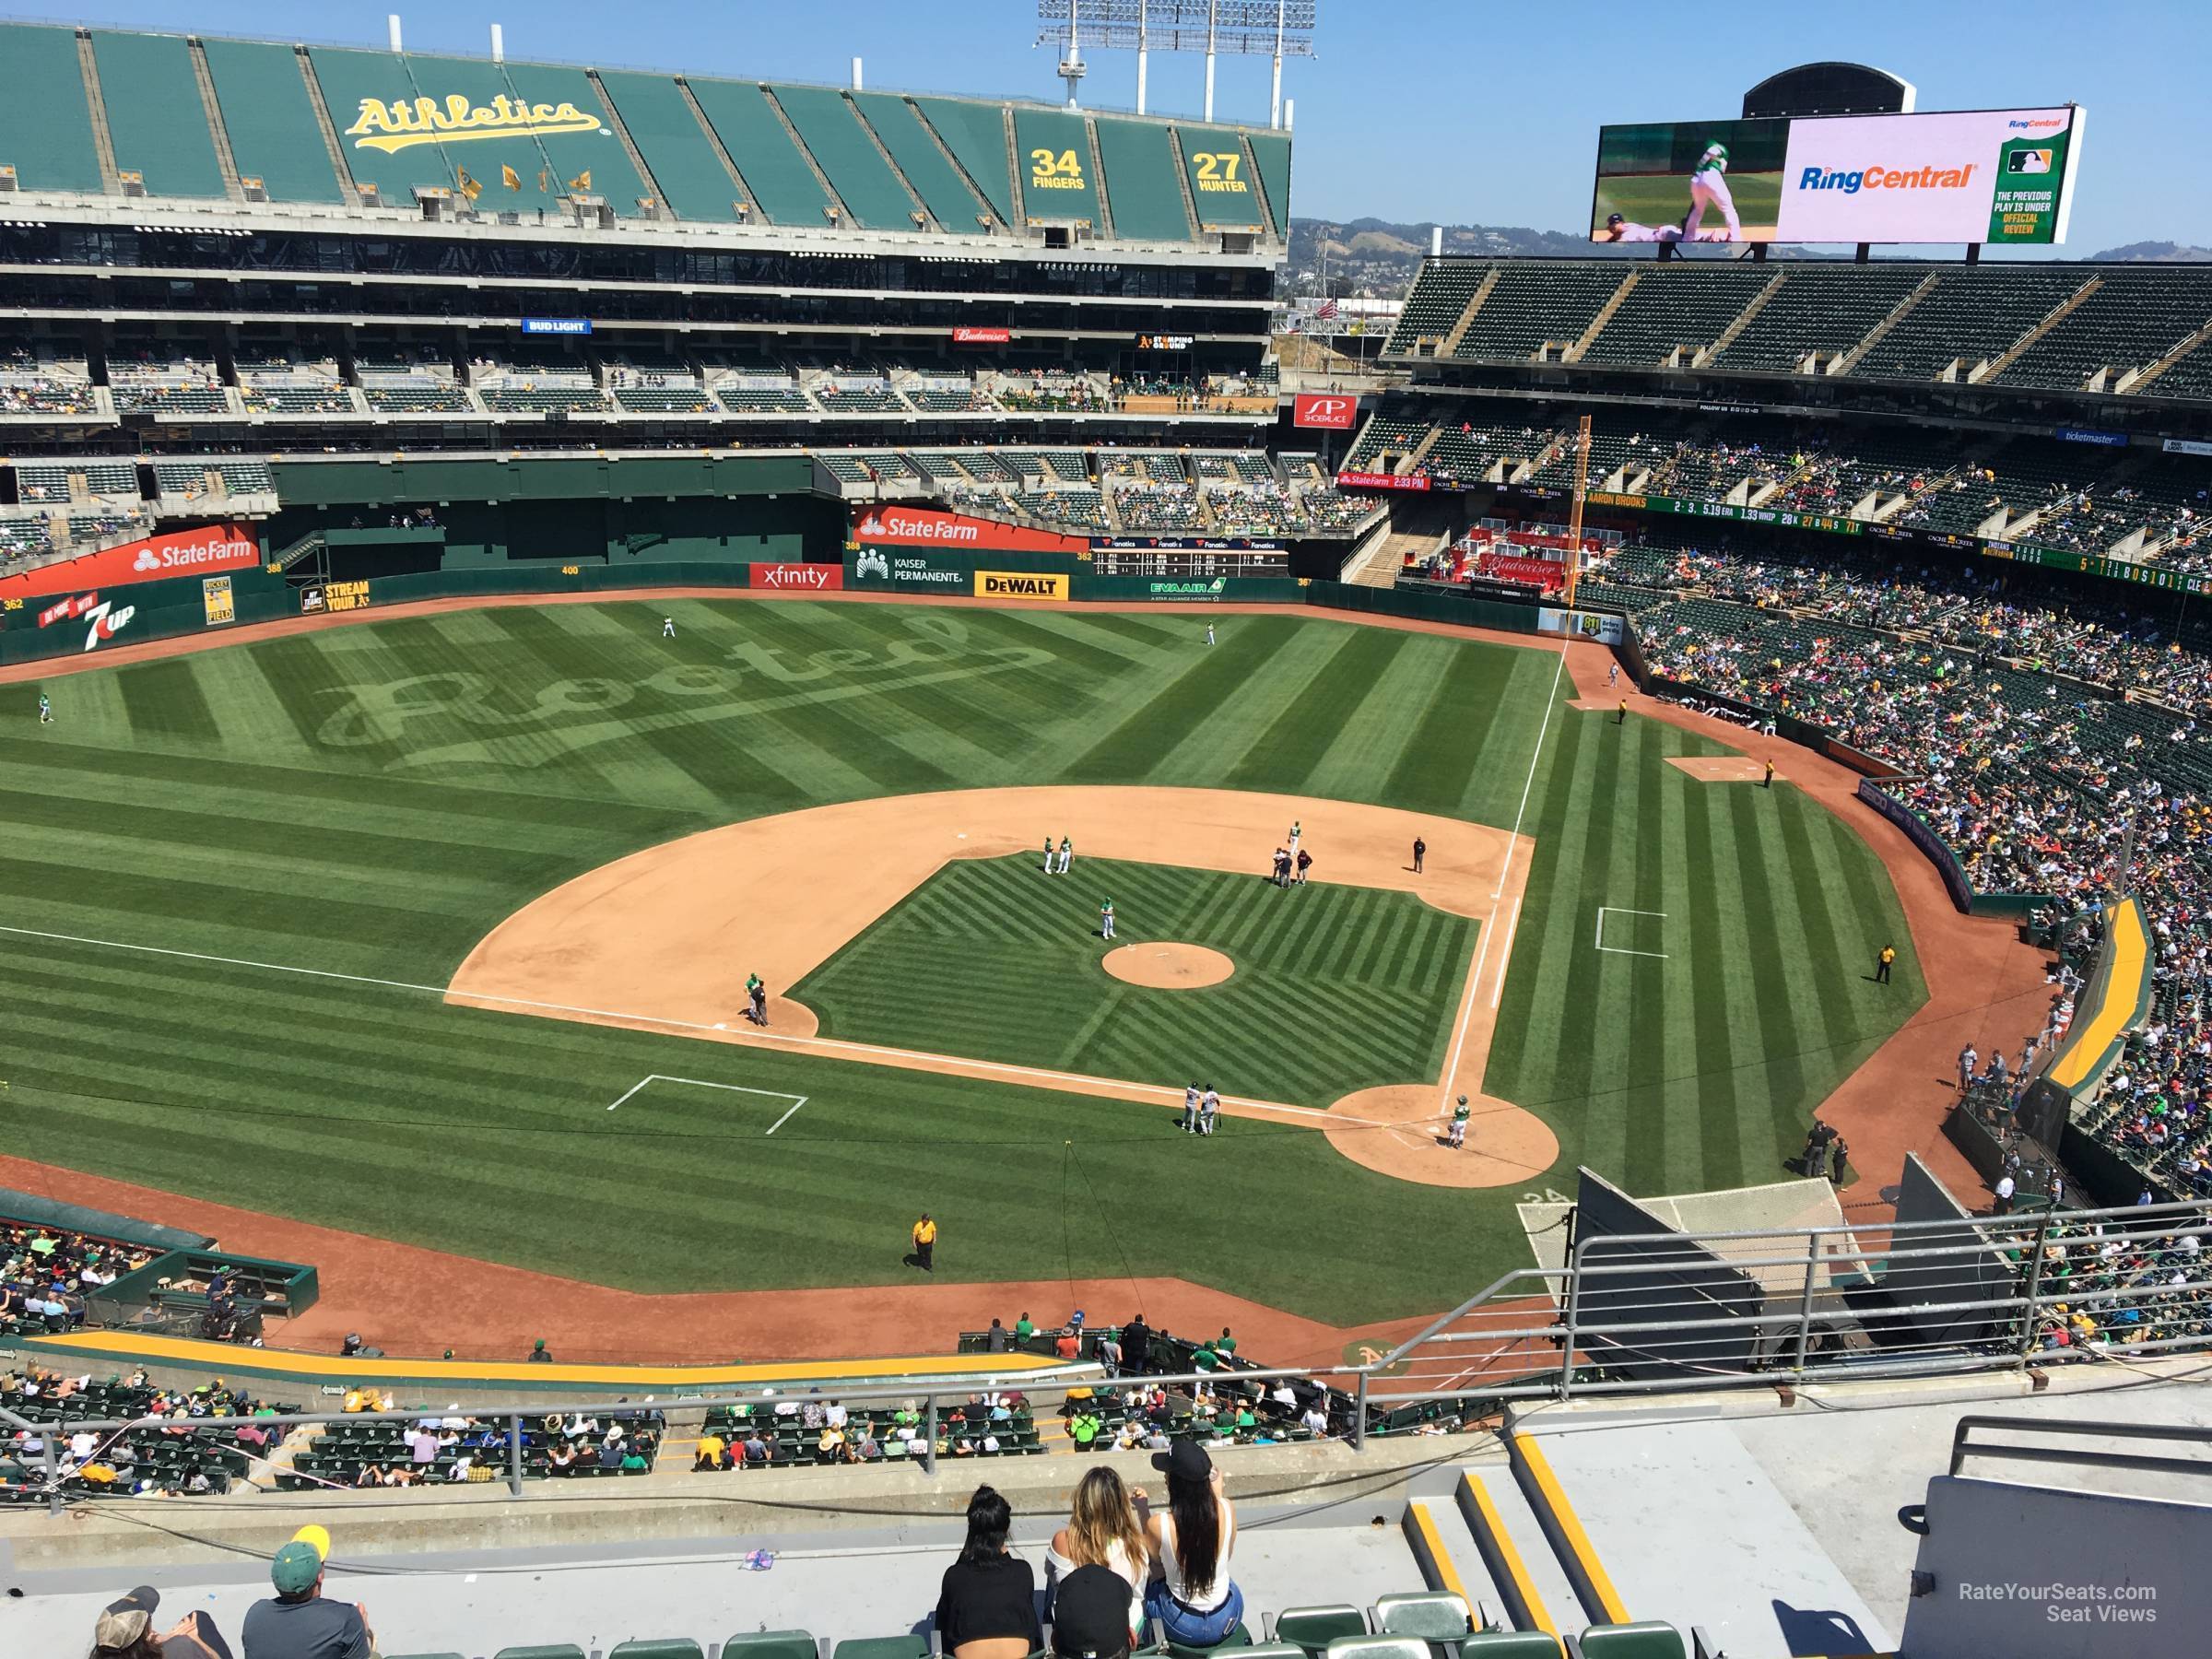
(657, 1647)
(422, 1656)
(559, 1649)
(1647, 1639)
(1510, 1644)
(1238, 1637)
(1378, 1647)
(899, 124)
(784, 189)
(976, 134)
(874, 196)
(1272, 1650)
(1432, 1616)
(1142, 190)
(771, 1644)
(883, 1647)
(1313, 1628)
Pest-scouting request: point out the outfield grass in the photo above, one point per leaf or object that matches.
(1336, 988)
(371, 800)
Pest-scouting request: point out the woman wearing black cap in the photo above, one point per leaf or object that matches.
(1193, 1603)
(987, 1606)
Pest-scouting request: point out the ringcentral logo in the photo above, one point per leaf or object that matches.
(1885, 178)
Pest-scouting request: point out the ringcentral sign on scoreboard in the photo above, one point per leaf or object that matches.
(2003, 176)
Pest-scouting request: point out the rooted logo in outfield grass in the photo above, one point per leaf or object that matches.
(570, 715)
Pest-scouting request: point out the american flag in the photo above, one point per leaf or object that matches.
(1326, 310)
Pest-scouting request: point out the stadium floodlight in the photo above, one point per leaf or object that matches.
(1277, 28)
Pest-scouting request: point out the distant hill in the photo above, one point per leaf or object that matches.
(2158, 253)
(1377, 258)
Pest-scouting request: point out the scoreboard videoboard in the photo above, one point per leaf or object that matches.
(1183, 563)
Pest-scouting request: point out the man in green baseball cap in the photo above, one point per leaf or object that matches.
(298, 1623)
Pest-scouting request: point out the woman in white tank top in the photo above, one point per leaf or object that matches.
(1194, 1601)
(1102, 1530)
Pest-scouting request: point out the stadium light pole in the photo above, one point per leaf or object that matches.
(1275, 28)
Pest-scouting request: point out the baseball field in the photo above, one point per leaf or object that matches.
(436, 928)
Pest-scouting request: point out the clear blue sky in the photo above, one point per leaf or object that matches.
(1417, 110)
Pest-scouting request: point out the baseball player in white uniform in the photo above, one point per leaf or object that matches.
(667, 628)
(1106, 920)
(1190, 1110)
(1621, 229)
(1209, 1107)
(1709, 188)
(1068, 853)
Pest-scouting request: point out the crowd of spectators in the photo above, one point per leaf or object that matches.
(2035, 732)
(46, 1274)
(207, 1436)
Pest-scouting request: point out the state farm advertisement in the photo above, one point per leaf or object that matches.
(798, 578)
(1331, 411)
(207, 551)
(933, 527)
(1373, 480)
(1970, 176)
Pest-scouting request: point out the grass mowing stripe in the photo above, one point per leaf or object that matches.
(1451, 736)
(1719, 984)
(1132, 748)
(1643, 1047)
(1782, 1079)
(1291, 744)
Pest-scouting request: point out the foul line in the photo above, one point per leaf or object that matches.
(1466, 1011)
(910, 1059)
(1498, 986)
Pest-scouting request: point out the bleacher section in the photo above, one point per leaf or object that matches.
(1684, 303)
(270, 120)
(2136, 316)
(1440, 294)
(1140, 182)
(1822, 313)
(45, 122)
(873, 194)
(1820, 310)
(1533, 305)
(779, 155)
(927, 169)
(1972, 314)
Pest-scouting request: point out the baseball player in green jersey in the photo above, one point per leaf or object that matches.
(1106, 920)
(1709, 188)
(1048, 854)
(1457, 1135)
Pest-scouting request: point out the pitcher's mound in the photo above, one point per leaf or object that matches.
(1399, 1130)
(1169, 967)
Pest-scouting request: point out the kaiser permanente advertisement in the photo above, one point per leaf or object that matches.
(2003, 176)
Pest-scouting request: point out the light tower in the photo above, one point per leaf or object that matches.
(1274, 28)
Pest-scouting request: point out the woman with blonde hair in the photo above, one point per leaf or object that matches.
(1102, 1530)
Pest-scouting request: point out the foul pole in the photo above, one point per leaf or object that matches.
(1574, 519)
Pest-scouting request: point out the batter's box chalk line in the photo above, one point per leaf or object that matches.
(1623, 910)
(796, 1100)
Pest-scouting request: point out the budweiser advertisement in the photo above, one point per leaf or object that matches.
(797, 578)
(1332, 411)
(207, 551)
(982, 336)
(933, 527)
(1367, 480)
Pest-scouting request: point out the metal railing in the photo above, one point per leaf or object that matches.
(1619, 1315)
